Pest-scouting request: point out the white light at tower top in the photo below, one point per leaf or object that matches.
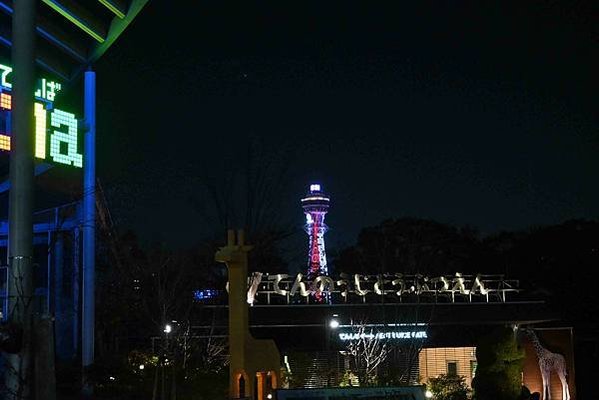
(315, 187)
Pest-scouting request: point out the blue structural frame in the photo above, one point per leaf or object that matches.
(59, 293)
(51, 232)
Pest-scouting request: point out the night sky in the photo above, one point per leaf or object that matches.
(470, 114)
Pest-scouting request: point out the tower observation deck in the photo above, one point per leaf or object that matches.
(316, 205)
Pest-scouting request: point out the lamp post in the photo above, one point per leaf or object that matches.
(331, 326)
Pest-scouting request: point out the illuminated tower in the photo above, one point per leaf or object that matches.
(316, 206)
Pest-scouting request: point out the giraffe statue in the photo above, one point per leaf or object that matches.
(549, 361)
(254, 369)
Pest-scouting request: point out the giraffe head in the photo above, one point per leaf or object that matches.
(534, 340)
(528, 332)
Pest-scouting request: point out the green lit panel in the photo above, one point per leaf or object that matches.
(40, 131)
(63, 144)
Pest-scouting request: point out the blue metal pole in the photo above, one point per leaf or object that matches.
(89, 219)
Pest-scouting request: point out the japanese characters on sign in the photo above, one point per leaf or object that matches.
(264, 288)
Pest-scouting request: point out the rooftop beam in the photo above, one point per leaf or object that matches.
(116, 29)
(80, 17)
(53, 34)
(60, 39)
(117, 7)
(44, 60)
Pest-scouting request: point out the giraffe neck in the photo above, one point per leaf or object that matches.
(540, 350)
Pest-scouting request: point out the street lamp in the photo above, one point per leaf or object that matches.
(334, 322)
(168, 328)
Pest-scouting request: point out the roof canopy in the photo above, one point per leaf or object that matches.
(72, 34)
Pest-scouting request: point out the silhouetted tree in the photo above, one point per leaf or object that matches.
(411, 245)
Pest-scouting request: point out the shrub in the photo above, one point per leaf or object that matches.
(499, 368)
(446, 387)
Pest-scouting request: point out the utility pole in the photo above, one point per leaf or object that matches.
(19, 378)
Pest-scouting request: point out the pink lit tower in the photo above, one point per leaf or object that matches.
(316, 206)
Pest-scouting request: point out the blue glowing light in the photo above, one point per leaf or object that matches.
(205, 294)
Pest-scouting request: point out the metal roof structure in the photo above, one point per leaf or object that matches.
(72, 34)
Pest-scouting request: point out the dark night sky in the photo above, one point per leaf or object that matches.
(456, 111)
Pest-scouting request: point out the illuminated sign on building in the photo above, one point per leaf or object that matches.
(56, 131)
(394, 335)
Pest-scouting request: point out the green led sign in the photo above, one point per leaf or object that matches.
(56, 131)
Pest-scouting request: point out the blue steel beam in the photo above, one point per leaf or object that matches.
(45, 227)
(39, 169)
(37, 240)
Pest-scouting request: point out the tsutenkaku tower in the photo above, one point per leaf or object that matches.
(316, 206)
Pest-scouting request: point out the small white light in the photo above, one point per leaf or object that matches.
(269, 396)
(168, 328)
(141, 366)
(334, 324)
(112, 378)
(428, 394)
(315, 187)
